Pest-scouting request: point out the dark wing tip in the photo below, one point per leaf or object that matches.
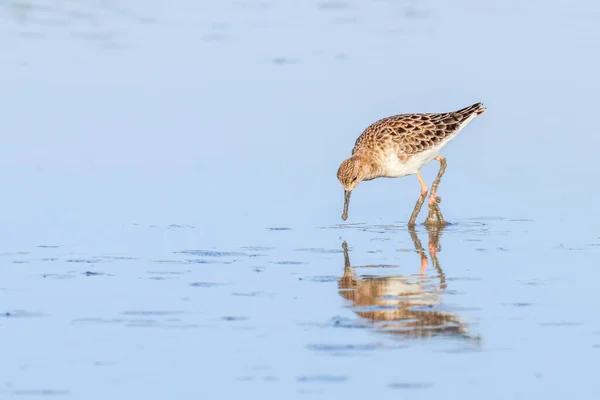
(476, 108)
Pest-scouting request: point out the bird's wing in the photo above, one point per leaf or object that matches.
(415, 133)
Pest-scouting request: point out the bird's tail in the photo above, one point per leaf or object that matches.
(476, 109)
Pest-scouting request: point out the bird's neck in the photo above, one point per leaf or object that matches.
(371, 166)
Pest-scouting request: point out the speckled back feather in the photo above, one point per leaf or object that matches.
(414, 133)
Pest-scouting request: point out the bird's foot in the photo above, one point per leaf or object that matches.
(435, 217)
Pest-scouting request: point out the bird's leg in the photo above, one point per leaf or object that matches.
(435, 216)
(420, 201)
(432, 197)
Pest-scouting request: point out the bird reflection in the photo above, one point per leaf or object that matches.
(404, 304)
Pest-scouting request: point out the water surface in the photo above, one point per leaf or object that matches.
(171, 217)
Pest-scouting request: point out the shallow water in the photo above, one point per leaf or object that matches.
(171, 217)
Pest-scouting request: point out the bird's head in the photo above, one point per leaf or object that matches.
(350, 173)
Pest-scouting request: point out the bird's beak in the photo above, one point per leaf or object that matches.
(347, 194)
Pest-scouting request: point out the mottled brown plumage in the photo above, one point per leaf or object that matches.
(413, 133)
(400, 145)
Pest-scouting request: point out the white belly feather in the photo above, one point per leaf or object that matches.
(396, 168)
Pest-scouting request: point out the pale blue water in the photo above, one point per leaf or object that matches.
(171, 216)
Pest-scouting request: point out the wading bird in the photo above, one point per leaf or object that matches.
(400, 145)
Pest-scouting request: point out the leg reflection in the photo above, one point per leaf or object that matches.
(434, 234)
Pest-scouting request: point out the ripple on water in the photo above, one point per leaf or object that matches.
(192, 261)
(284, 60)
(41, 392)
(152, 312)
(141, 319)
(289, 262)
(22, 314)
(178, 226)
(16, 253)
(118, 258)
(533, 282)
(164, 275)
(561, 323)
(340, 322)
(104, 363)
(321, 379)
(345, 226)
(320, 279)
(170, 227)
(232, 318)
(91, 273)
(410, 385)
(377, 266)
(518, 305)
(206, 284)
(169, 272)
(350, 350)
(381, 229)
(248, 294)
(99, 321)
(210, 253)
(321, 250)
(344, 347)
(57, 276)
(462, 278)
